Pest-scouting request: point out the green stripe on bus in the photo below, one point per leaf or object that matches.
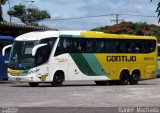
(72, 36)
(94, 64)
(82, 64)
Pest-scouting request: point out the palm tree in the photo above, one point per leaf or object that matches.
(2, 2)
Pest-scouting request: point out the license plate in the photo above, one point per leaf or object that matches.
(18, 79)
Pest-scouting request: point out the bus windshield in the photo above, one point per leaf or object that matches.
(21, 55)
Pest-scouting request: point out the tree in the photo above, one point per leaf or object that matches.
(132, 28)
(2, 2)
(29, 16)
(158, 10)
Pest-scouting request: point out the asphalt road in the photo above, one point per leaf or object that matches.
(80, 94)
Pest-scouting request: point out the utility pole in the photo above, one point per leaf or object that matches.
(117, 19)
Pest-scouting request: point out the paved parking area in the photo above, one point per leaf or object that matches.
(81, 94)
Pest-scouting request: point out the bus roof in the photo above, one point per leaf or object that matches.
(6, 37)
(38, 35)
(92, 34)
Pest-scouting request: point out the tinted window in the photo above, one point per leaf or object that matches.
(150, 46)
(96, 45)
(44, 52)
(100, 46)
(4, 43)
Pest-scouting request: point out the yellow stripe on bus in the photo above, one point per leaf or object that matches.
(13, 71)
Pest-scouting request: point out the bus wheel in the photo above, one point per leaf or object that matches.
(134, 79)
(32, 84)
(101, 83)
(58, 79)
(124, 78)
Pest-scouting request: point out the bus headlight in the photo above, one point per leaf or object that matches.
(33, 71)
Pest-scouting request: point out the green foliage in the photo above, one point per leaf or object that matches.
(98, 29)
(29, 16)
(3, 2)
(17, 11)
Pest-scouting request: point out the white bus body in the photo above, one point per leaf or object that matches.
(35, 58)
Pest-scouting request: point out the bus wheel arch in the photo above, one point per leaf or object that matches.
(124, 77)
(58, 78)
(135, 77)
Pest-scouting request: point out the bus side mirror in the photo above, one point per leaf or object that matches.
(34, 50)
(4, 49)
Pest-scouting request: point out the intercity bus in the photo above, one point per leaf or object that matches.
(4, 41)
(57, 56)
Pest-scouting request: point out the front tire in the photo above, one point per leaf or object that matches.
(58, 79)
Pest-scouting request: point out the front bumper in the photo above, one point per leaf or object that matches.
(20, 78)
(22, 75)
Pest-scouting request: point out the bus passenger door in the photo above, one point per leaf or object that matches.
(42, 57)
(60, 63)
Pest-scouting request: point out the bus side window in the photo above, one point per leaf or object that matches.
(58, 50)
(42, 55)
(83, 46)
(150, 46)
(100, 47)
(90, 46)
(50, 43)
(132, 47)
(75, 46)
(64, 46)
(110, 46)
(127, 47)
(118, 45)
(60, 47)
(138, 47)
(158, 50)
(79, 46)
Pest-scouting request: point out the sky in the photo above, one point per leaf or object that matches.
(63, 9)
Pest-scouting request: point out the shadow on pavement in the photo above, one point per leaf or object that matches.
(84, 85)
(4, 82)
